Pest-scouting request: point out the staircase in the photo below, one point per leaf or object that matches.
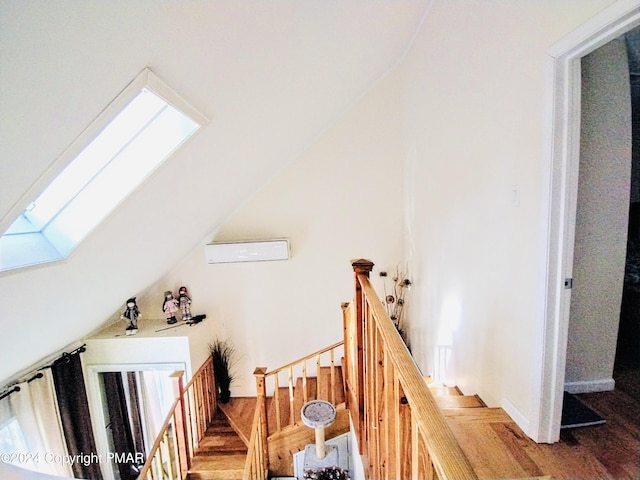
(221, 454)
(491, 440)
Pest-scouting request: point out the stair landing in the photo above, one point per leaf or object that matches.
(497, 448)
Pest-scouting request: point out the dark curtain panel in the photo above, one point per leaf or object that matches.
(118, 422)
(75, 417)
(135, 414)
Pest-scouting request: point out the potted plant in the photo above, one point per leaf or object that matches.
(223, 354)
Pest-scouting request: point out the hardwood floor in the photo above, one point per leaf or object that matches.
(497, 448)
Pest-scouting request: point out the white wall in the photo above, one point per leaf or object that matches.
(340, 201)
(270, 76)
(474, 116)
(601, 219)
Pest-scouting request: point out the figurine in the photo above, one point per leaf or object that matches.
(185, 304)
(170, 307)
(132, 313)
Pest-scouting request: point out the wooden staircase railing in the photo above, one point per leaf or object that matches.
(400, 429)
(286, 398)
(185, 426)
(257, 465)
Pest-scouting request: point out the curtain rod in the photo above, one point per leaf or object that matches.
(64, 357)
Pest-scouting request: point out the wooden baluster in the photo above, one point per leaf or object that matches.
(318, 379)
(333, 377)
(291, 398)
(276, 401)
(375, 353)
(167, 448)
(346, 346)
(391, 403)
(380, 394)
(305, 388)
(210, 393)
(182, 432)
(160, 457)
(202, 426)
(188, 408)
(415, 458)
(157, 470)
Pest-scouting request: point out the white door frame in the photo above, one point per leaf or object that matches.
(563, 150)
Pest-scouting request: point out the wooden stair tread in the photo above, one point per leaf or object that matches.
(476, 415)
(218, 462)
(459, 401)
(217, 467)
(443, 390)
(222, 444)
(221, 453)
(487, 453)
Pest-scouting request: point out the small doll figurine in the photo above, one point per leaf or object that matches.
(132, 313)
(185, 304)
(170, 307)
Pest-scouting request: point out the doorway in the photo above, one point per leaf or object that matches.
(129, 404)
(564, 141)
(601, 218)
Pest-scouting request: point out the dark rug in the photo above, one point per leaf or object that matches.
(576, 414)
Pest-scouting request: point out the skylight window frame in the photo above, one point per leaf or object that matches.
(145, 80)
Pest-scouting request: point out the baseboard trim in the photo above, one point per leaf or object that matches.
(515, 414)
(590, 386)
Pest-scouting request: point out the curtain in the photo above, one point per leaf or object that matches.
(118, 421)
(152, 405)
(35, 408)
(135, 414)
(74, 414)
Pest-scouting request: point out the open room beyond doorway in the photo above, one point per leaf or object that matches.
(627, 361)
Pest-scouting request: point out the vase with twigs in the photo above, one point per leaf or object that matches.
(395, 298)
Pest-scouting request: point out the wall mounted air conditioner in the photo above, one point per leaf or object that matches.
(249, 251)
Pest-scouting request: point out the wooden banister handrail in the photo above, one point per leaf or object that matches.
(255, 467)
(282, 413)
(399, 427)
(159, 439)
(305, 358)
(184, 427)
(444, 450)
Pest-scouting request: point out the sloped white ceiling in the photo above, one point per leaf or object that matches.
(270, 76)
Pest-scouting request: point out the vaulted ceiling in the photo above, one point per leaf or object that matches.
(270, 76)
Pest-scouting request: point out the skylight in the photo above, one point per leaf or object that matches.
(136, 133)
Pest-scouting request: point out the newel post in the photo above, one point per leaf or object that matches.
(261, 392)
(360, 267)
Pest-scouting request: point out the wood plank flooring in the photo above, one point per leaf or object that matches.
(498, 449)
